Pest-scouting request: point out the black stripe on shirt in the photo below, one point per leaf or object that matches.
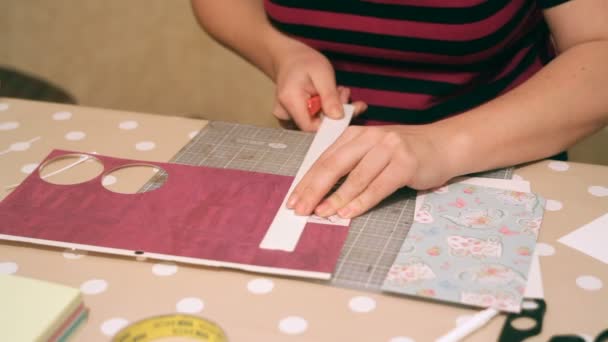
(452, 106)
(444, 15)
(442, 47)
(392, 83)
(539, 33)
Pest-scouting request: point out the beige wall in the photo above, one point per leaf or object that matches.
(141, 55)
(149, 56)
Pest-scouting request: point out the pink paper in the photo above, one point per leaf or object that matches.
(200, 212)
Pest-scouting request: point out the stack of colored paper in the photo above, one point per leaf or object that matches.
(35, 310)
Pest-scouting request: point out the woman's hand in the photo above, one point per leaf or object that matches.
(300, 73)
(379, 160)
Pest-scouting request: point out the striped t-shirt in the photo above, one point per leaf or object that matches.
(416, 61)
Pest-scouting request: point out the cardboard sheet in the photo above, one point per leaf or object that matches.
(201, 215)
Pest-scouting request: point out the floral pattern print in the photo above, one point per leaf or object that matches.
(471, 245)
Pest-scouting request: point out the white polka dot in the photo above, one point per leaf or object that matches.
(260, 286)
(277, 145)
(529, 305)
(190, 305)
(401, 339)
(59, 116)
(293, 325)
(460, 320)
(73, 254)
(517, 177)
(94, 286)
(164, 269)
(29, 168)
(598, 190)
(75, 135)
(589, 283)
(544, 249)
(108, 180)
(8, 267)
(553, 205)
(9, 125)
(362, 304)
(128, 125)
(559, 166)
(113, 325)
(20, 146)
(192, 134)
(4, 106)
(145, 145)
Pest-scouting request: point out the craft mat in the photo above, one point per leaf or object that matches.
(374, 239)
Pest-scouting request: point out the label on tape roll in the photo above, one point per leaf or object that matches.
(175, 325)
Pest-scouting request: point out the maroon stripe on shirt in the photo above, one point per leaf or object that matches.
(394, 99)
(404, 28)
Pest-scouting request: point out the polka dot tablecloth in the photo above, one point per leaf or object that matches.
(250, 307)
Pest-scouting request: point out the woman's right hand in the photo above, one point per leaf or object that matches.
(300, 73)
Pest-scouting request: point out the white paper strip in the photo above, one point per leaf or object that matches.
(286, 228)
(534, 288)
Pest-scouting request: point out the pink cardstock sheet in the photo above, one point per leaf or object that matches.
(201, 214)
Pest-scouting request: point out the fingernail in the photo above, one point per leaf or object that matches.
(323, 209)
(345, 212)
(336, 113)
(302, 210)
(292, 201)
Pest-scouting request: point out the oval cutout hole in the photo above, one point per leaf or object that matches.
(523, 323)
(70, 169)
(134, 178)
(529, 305)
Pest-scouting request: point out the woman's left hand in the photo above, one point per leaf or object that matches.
(378, 161)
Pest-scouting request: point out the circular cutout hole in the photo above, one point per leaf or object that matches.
(134, 178)
(70, 169)
(523, 323)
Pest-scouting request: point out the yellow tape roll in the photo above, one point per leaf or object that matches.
(186, 326)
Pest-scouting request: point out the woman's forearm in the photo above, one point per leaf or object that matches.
(242, 26)
(564, 102)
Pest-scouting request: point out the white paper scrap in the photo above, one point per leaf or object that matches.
(534, 287)
(590, 239)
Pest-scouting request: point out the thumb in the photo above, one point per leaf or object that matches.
(330, 98)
